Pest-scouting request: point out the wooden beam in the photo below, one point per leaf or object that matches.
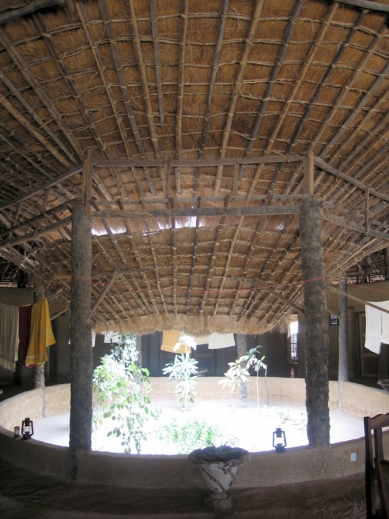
(199, 211)
(41, 187)
(355, 298)
(113, 280)
(333, 171)
(87, 176)
(185, 163)
(283, 299)
(31, 7)
(342, 222)
(366, 4)
(37, 234)
(308, 174)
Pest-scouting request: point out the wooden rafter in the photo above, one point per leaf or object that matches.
(31, 7)
(157, 57)
(237, 87)
(142, 72)
(181, 76)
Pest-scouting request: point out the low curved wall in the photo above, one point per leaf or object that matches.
(264, 468)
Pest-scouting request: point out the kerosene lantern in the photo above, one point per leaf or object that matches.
(27, 428)
(279, 440)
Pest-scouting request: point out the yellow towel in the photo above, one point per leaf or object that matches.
(41, 334)
(171, 342)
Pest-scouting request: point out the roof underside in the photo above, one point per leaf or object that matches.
(193, 119)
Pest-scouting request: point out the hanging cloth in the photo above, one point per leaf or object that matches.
(201, 339)
(9, 336)
(171, 342)
(373, 328)
(221, 340)
(385, 323)
(24, 331)
(41, 334)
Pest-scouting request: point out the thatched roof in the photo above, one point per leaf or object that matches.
(196, 120)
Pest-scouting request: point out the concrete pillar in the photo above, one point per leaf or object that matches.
(81, 358)
(316, 334)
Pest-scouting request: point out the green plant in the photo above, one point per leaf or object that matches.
(257, 364)
(120, 390)
(190, 435)
(239, 371)
(184, 369)
(236, 374)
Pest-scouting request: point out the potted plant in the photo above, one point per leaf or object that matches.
(218, 467)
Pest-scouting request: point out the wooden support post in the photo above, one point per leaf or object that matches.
(316, 335)
(308, 174)
(81, 366)
(39, 371)
(343, 366)
(87, 175)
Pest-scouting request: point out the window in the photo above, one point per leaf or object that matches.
(292, 342)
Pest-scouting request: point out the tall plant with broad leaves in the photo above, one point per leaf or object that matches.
(120, 390)
(183, 369)
(239, 371)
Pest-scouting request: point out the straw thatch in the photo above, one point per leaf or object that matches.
(197, 122)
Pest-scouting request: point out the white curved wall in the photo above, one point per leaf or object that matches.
(263, 469)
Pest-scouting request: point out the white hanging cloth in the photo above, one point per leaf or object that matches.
(373, 330)
(221, 340)
(385, 323)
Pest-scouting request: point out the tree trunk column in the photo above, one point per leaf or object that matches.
(81, 365)
(241, 347)
(316, 335)
(343, 369)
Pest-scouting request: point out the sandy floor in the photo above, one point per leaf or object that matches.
(241, 421)
(25, 495)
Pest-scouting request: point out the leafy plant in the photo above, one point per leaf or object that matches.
(184, 369)
(239, 371)
(120, 390)
(236, 374)
(190, 435)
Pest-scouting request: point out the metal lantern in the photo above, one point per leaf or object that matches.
(279, 440)
(27, 428)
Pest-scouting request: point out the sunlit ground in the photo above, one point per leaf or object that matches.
(242, 423)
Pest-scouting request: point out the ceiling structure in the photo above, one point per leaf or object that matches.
(195, 121)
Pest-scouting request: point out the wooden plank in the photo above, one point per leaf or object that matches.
(199, 211)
